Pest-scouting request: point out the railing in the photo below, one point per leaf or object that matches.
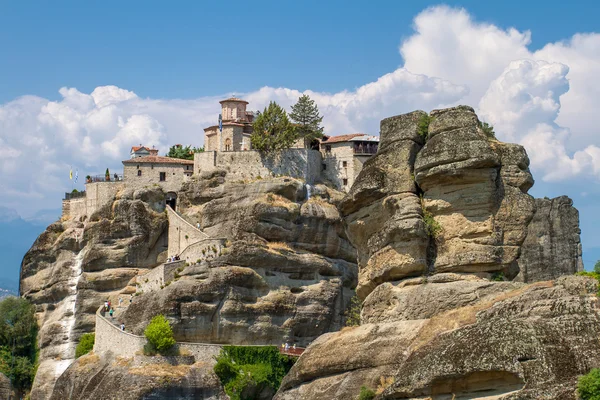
(367, 150)
(104, 178)
(74, 195)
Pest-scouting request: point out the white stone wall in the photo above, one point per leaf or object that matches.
(157, 277)
(174, 175)
(203, 250)
(111, 338)
(334, 170)
(181, 233)
(97, 195)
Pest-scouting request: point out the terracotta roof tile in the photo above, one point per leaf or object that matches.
(158, 160)
(342, 138)
(234, 99)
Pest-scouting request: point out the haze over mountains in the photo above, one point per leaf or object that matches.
(16, 237)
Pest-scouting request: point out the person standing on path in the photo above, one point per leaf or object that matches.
(123, 327)
(120, 301)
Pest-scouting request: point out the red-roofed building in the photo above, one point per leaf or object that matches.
(237, 127)
(142, 151)
(344, 156)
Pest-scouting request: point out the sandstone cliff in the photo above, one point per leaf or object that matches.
(438, 216)
(74, 266)
(286, 275)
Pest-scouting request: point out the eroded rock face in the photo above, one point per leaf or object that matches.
(517, 341)
(141, 378)
(452, 217)
(552, 247)
(286, 275)
(74, 266)
(455, 203)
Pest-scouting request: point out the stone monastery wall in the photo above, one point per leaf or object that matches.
(297, 163)
(110, 337)
(96, 195)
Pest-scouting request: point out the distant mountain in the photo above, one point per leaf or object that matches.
(16, 237)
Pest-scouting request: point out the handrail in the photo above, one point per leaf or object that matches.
(185, 221)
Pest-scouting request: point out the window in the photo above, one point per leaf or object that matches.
(227, 144)
(139, 172)
(327, 148)
(324, 167)
(345, 182)
(163, 176)
(345, 164)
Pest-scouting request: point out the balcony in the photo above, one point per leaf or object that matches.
(365, 149)
(74, 195)
(104, 178)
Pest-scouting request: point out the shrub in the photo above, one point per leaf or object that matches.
(352, 312)
(159, 333)
(588, 386)
(432, 227)
(85, 345)
(498, 276)
(245, 372)
(488, 130)
(423, 126)
(366, 393)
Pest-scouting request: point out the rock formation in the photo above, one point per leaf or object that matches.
(106, 378)
(438, 216)
(75, 265)
(286, 275)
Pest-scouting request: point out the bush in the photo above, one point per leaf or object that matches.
(588, 386)
(423, 126)
(498, 276)
(85, 345)
(159, 334)
(366, 393)
(488, 130)
(246, 372)
(432, 227)
(352, 312)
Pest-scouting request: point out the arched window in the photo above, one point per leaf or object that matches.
(139, 172)
(227, 144)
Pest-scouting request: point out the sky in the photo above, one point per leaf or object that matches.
(82, 82)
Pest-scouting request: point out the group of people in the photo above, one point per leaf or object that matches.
(173, 258)
(286, 346)
(108, 308)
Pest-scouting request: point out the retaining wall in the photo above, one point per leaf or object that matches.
(97, 195)
(203, 250)
(160, 275)
(296, 163)
(181, 233)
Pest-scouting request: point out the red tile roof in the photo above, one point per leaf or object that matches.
(136, 148)
(158, 160)
(234, 99)
(342, 138)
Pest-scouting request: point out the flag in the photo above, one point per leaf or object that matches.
(220, 123)
(71, 174)
(76, 175)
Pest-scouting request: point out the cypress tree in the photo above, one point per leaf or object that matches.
(272, 130)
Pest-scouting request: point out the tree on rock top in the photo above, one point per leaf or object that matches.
(159, 333)
(272, 130)
(305, 115)
(185, 153)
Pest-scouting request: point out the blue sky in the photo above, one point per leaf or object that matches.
(81, 82)
(189, 49)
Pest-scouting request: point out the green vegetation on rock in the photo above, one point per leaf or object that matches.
(251, 372)
(18, 348)
(272, 130)
(432, 227)
(423, 126)
(352, 312)
(366, 393)
(85, 345)
(159, 334)
(588, 387)
(488, 130)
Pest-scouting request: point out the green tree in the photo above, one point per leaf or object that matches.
(488, 130)
(186, 153)
(597, 267)
(272, 130)
(305, 115)
(159, 333)
(366, 393)
(249, 372)
(85, 345)
(18, 348)
(352, 312)
(588, 386)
